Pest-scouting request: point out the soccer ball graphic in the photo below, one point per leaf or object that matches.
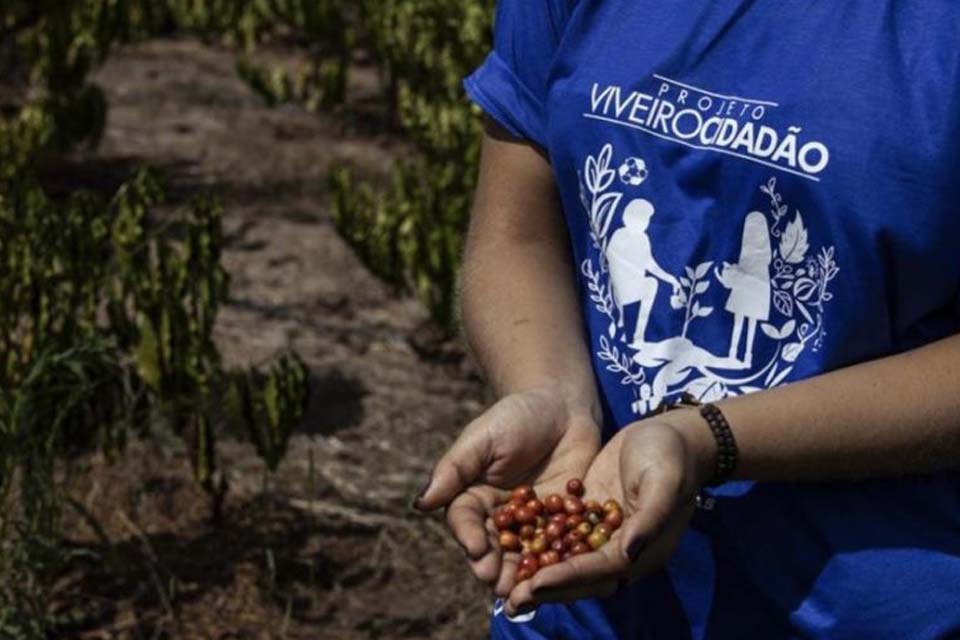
(633, 171)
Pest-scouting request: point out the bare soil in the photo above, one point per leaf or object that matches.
(328, 547)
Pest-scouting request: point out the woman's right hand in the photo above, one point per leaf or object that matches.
(534, 437)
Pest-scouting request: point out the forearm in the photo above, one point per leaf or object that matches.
(892, 416)
(520, 312)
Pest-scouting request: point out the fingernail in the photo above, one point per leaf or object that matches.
(422, 491)
(635, 548)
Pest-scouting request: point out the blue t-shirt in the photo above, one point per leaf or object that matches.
(757, 191)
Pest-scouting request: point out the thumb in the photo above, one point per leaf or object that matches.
(460, 466)
(651, 505)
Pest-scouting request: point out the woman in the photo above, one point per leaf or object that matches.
(838, 509)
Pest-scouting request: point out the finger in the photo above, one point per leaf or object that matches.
(505, 580)
(459, 467)
(487, 568)
(600, 589)
(603, 565)
(652, 503)
(466, 518)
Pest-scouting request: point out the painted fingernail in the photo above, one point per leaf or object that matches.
(635, 548)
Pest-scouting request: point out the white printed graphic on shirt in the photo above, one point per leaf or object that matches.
(777, 285)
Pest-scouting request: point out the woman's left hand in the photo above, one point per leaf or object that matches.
(654, 468)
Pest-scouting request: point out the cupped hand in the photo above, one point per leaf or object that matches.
(654, 468)
(535, 437)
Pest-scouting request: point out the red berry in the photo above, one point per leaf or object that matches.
(580, 548)
(548, 558)
(592, 505)
(613, 519)
(554, 503)
(527, 532)
(558, 545)
(572, 538)
(575, 487)
(573, 505)
(529, 562)
(509, 541)
(524, 516)
(535, 505)
(566, 556)
(503, 520)
(555, 531)
(559, 518)
(540, 521)
(524, 493)
(574, 521)
(523, 574)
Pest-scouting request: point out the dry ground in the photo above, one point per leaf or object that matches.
(389, 395)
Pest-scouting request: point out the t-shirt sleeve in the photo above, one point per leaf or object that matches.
(511, 84)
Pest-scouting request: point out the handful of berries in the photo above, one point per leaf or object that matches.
(554, 529)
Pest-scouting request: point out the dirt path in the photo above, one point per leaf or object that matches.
(388, 396)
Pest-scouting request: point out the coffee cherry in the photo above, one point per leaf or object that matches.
(548, 558)
(529, 562)
(503, 520)
(538, 545)
(574, 521)
(559, 546)
(580, 548)
(509, 541)
(523, 574)
(575, 487)
(523, 494)
(593, 517)
(597, 540)
(524, 516)
(555, 531)
(536, 506)
(566, 555)
(572, 538)
(527, 532)
(611, 505)
(604, 530)
(553, 503)
(573, 506)
(559, 518)
(540, 522)
(592, 505)
(613, 519)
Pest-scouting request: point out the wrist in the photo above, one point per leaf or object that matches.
(700, 444)
(579, 400)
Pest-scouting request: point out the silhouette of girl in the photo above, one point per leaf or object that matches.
(749, 283)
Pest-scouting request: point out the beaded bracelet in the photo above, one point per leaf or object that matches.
(727, 451)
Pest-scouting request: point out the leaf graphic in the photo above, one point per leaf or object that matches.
(690, 273)
(696, 308)
(702, 286)
(783, 302)
(770, 330)
(703, 312)
(788, 329)
(806, 314)
(603, 211)
(780, 378)
(702, 269)
(605, 156)
(773, 372)
(590, 174)
(612, 330)
(804, 289)
(606, 177)
(793, 242)
(685, 281)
